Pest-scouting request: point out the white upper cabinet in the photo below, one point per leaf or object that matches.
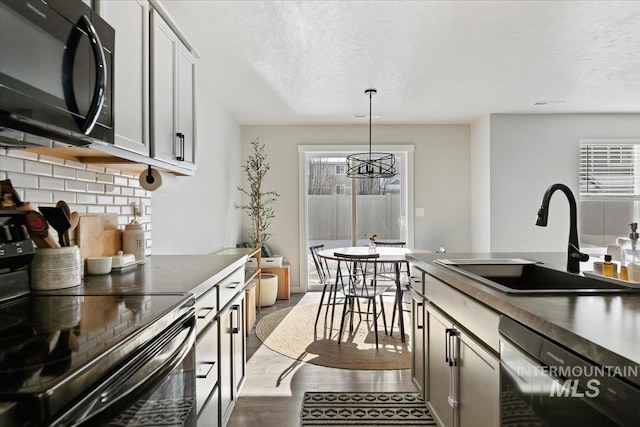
(173, 128)
(130, 19)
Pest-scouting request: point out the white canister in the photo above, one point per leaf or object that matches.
(56, 268)
(133, 241)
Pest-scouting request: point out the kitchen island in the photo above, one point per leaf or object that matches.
(459, 317)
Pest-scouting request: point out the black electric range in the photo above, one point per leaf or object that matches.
(57, 351)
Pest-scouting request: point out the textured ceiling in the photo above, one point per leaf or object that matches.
(309, 62)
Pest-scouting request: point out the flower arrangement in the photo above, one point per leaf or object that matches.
(372, 238)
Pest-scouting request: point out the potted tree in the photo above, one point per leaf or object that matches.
(259, 206)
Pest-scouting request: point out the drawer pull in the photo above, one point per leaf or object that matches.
(204, 312)
(233, 285)
(204, 369)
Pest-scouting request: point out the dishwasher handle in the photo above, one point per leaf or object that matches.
(142, 372)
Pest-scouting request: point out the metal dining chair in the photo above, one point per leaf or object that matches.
(357, 276)
(388, 268)
(328, 285)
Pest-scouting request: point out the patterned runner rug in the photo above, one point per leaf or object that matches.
(364, 409)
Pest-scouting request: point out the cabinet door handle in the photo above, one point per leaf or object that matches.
(204, 312)
(447, 342)
(452, 399)
(204, 369)
(418, 325)
(180, 151)
(235, 329)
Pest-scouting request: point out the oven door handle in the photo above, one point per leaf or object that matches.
(142, 372)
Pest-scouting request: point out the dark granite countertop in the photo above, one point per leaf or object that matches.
(193, 274)
(604, 328)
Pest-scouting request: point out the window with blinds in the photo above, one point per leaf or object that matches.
(610, 170)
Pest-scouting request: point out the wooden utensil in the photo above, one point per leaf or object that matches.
(65, 207)
(58, 220)
(39, 230)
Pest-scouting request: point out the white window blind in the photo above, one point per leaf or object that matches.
(609, 170)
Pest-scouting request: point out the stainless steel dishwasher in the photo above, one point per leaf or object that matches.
(544, 384)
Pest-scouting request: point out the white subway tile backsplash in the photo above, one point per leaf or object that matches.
(88, 189)
(75, 165)
(95, 188)
(62, 172)
(86, 176)
(95, 168)
(67, 197)
(119, 180)
(105, 200)
(36, 168)
(95, 209)
(51, 183)
(87, 199)
(104, 178)
(21, 180)
(75, 186)
(111, 189)
(22, 154)
(37, 196)
(9, 164)
(113, 209)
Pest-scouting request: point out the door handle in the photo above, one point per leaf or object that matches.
(180, 154)
(418, 325)
(235, 329)
(101, 78)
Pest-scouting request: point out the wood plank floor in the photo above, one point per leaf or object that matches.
(275, 384)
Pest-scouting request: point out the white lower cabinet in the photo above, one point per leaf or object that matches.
(463, 386)
(418, 352)
(232, 355)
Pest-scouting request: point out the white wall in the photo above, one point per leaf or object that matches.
(528, 154)
(200, 218)
(480, 185)
(441, 181)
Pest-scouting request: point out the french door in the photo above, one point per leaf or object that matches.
(338, 211)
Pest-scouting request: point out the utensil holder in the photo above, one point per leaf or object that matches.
(55, 268)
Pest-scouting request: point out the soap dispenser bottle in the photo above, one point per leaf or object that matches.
(631, 251)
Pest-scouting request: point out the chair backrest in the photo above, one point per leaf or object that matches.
(321, 264)
(391, 243)
(358, 271)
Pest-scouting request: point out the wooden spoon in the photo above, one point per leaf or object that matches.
(74, 219)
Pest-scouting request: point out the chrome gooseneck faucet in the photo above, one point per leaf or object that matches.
(574, 256)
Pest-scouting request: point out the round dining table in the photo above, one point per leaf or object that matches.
(387, 255)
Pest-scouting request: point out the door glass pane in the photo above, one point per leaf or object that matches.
(379, 206)
(379, 202)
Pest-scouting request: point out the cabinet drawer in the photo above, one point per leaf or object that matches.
(206, 309)
(206, 364)
(230, 286)
(473, 316)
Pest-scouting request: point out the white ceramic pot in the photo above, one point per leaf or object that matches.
(55, 268)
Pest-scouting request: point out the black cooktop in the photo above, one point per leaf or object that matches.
(46, 340)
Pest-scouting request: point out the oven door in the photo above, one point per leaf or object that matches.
(55, 70)
(541, 391)
(156, 387)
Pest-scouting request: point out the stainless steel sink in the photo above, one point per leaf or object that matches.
(521, 276)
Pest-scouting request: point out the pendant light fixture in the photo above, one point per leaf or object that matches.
(371, 164)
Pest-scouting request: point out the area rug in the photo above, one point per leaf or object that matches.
(364, 409)
(291, 332)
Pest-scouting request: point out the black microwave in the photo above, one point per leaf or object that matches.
(56, 74)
